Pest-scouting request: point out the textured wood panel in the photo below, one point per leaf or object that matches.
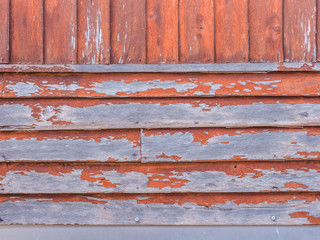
(44, 114)
(318, 31)
(162, 31)
(60, 31)
(230, 144)
(231, 30)
(103, 146)
(265, 20)
(177, 209)
(128, 31)
(4, 31)
(93, 31)
(160, 85)
(300, 30)
(196, 31)
(26, 31)
(159, 178)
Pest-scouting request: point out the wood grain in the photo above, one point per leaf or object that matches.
(196, 31)
(300, 31)
(230, 144)
(231, 30)
(93, 31)
(59, 114)
(159, 85)
(318, 30)
(60, 31)
(26, 31)
(99, 146)
(4, 31)
(164, 209)
(162, 31)
(76, 178)
(265, 21)
(128, 31)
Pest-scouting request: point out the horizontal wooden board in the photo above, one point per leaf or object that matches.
(230, 144)
(159, 178)
(159, 85)
(102, 146)
(185, 68)
(164, 209)
(49, 114)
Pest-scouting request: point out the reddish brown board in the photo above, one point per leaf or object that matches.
(60, 31)
(160, 85)
(265, 21)
(26, 31)
(318, 30)
(128, 31)
(162, 31)
(93, 32)
(299, 30)
(4, 31)
(196, 31)
(231, 30)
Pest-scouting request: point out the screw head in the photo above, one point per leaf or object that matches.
(273, 218)
(137, 219)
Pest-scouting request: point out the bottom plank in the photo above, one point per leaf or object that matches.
(162, 209)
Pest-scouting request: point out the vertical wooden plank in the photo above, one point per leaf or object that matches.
(128, 31)
(60, 31)
(318, 30)
(196, 31)
(300, 30)
(162, 31)
(26, 31)
(265, 21)
(4, 31)
(93, 31)
(231, 30)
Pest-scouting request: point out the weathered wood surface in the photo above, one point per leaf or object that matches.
(26, 31)
(196, 31)
(101, 146)
(4, 31)
(164, 68)
(265, 24)
(300, 30)
(159, 85)
(159, 178)
(128, 31)
(230, 144)
(231, 31)
(93, 31)
(164, 209)
(46, 114)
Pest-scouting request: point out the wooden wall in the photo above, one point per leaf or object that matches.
(158, 31)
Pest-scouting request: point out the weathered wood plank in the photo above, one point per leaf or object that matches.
(164, 209)
(196, 31)
(160, 85)
(60, 43)
(93, 31)
(162, 31)
(230, 144)
(265, 21)
(299, 30)
(4, 31)
(46, 114)
(165, 68)
(128, 31)
(318, 30)
(26, 31)
(159, 178)
(231, 30)
(101, 146)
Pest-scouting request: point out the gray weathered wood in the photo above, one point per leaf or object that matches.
(184, 209)
(44, 114)
(230, 144)
(159, 178)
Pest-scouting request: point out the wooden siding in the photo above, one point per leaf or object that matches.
(158, 31)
